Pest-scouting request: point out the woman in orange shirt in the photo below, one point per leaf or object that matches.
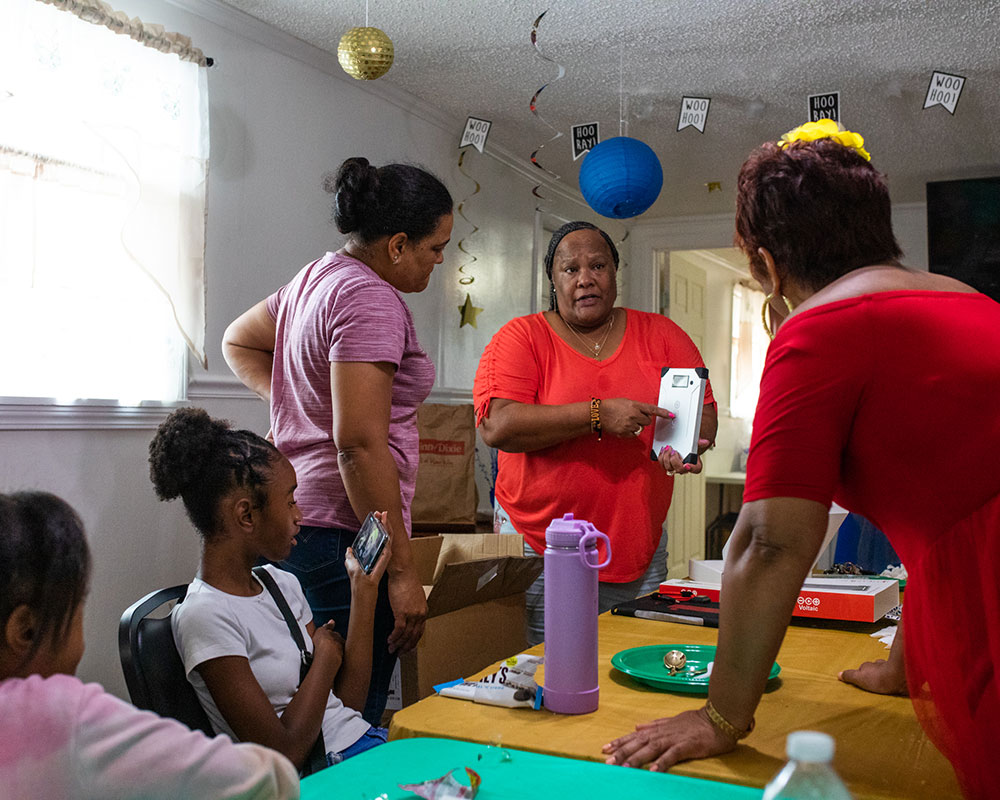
(568, 396)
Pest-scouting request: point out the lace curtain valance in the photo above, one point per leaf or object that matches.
(149, 34)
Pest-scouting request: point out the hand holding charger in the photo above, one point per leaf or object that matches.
(369, 543)
(682, 392)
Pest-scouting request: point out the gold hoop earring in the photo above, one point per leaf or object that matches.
(763, 313)
(763, 316)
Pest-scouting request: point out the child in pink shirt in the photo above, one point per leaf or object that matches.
(61, 738)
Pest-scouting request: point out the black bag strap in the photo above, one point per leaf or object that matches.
(317, 756)
(279, 599)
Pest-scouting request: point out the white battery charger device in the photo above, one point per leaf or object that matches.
(682, 392)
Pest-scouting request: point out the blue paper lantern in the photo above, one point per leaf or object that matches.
(621, 177)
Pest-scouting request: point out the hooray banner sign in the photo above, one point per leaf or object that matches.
(585, 138)
(824, 106)
(944, 90)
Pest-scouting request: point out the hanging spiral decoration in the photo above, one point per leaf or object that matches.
(534, 105)
(466, 278)
(619, 244)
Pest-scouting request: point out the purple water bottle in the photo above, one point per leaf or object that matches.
(571, 565)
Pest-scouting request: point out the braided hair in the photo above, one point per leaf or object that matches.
(201, 460)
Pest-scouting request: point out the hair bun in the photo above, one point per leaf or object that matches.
(373, 202)
(356, 186)
(182, 446)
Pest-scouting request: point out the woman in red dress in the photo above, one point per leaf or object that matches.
(880, 391)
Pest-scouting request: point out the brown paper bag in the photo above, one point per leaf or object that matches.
(446, 498)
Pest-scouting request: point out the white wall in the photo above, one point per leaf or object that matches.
(282, 115)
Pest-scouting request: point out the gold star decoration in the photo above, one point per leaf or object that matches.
(469, 312)
(714, 186)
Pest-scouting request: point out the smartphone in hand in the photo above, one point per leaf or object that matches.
(370, 542)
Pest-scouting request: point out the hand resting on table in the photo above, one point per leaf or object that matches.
(669, 740)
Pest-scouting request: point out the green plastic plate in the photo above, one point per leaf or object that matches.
(645, 664)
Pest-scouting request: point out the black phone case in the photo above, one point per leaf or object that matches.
(683, 610)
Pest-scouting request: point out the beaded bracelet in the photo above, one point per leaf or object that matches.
(595, 416)
(725, 725)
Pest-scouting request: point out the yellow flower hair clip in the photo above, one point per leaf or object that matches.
(826, 129)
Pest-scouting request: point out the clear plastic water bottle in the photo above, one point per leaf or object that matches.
(808, 775)
(571, 566)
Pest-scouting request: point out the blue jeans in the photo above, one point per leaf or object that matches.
(373, 737)
(317, 561)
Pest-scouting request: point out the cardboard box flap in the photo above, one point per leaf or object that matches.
(425, 551)
(468, 582)
(458, 547)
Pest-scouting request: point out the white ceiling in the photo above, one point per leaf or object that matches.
(757, 61)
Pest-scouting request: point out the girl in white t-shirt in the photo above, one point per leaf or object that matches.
(234, 640)
(61, 738)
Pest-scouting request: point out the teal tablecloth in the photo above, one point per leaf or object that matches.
(506, 774)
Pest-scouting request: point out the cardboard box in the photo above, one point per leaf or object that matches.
(475, 586)
(821, 597)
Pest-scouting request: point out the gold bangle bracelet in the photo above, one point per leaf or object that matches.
(725, 725)
(595, 416)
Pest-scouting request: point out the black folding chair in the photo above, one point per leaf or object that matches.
(154, 672)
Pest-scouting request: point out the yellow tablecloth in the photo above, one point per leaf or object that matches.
(881, 749)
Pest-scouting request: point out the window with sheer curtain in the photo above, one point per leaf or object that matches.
(749, 348)
(103, 157)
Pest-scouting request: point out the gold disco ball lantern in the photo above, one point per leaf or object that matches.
(365, 53)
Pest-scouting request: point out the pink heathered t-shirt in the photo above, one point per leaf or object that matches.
(338, 309)
(60, 738)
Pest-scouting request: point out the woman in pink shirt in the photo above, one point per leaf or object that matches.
(336, 355)
(61, 738)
